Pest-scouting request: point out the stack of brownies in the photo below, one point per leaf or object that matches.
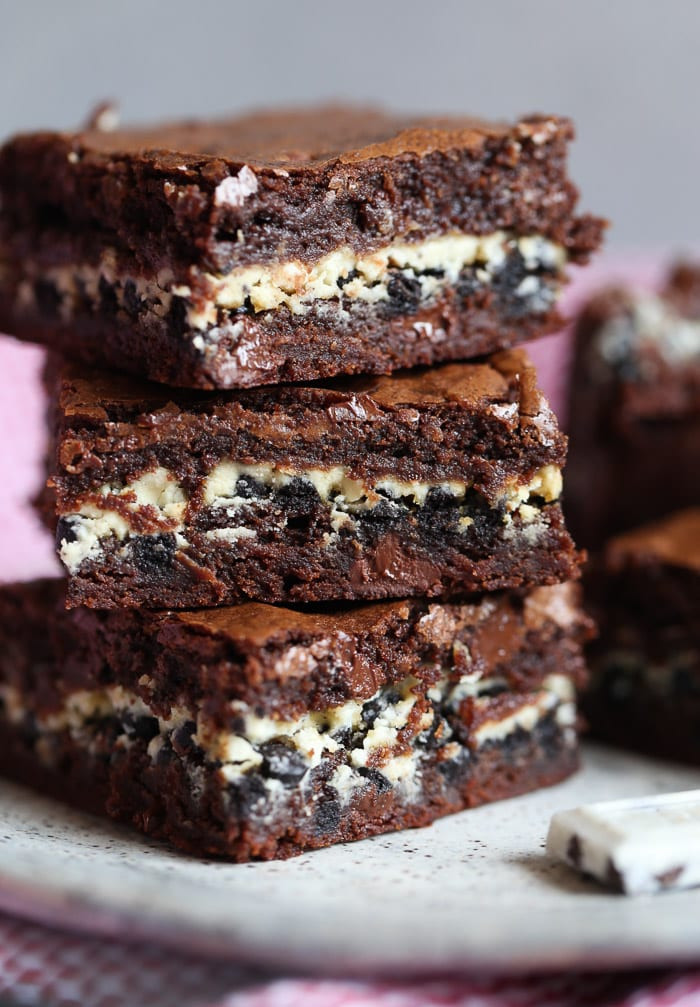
(302, 606)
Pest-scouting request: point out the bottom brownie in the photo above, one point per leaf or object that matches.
(160, 800)
(258, 732)
(645, 684)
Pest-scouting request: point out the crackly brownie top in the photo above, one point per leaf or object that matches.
(284, 659)
(480, 422)
(300, 138)
(296, 184)
(673, 541)
(94, 395)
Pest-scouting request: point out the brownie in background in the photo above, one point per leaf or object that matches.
(644, 592)
(634, 417)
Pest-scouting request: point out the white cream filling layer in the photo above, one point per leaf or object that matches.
(435, 263)
(343, 274)
(314, 735)
(557, 693)
(161, 498)
(650, 323)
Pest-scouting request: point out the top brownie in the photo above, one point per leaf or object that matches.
(287, 246)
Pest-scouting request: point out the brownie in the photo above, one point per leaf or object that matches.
(645, 594)
(421, 483)
(256, 732)
(287, 246)
(635, 408)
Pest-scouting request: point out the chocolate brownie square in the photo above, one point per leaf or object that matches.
(428, 482)
(287, 246)
(645, 595)
(257, 732)
(634, 421)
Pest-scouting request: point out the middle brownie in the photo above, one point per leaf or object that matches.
(425, 483)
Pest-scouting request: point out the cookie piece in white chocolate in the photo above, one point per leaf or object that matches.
(638, 846)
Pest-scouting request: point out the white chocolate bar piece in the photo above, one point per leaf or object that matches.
(639, 846)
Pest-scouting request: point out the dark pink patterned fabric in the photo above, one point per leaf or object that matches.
(46, 968)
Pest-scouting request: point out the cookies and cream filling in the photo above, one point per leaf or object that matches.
(386, 734)
(624, 670)
(119, 511)
(343, 275)
(434, 262)
(649, 322)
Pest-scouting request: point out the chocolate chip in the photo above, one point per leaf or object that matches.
(152, 553)
(327, 817)
(283, 762)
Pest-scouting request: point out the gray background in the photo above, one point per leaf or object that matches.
(627, 71)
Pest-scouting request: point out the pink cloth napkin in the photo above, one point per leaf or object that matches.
(40, 967)
(46, 968)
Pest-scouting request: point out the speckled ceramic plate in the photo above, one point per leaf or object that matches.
(473, 890)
